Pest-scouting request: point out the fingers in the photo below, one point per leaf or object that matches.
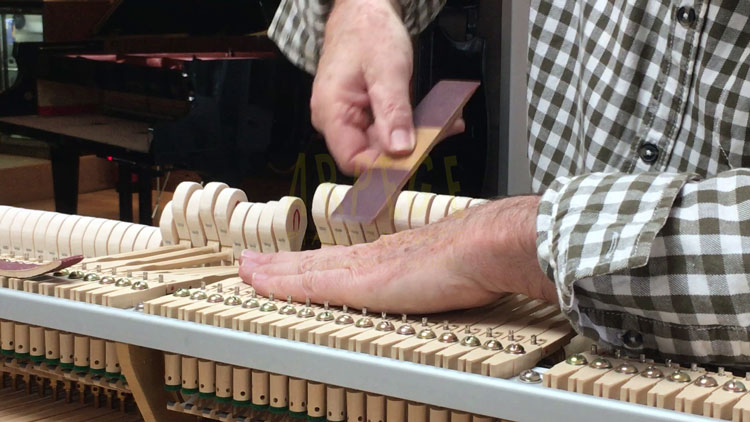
(318, 286)
(285, 263)
(459, 125)
(388, 86)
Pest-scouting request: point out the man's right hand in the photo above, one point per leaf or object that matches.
(360, 100)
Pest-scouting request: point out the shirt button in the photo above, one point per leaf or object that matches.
(686, 16)
(632, 340)
(649, 153)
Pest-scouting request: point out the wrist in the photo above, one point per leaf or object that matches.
(512, 239)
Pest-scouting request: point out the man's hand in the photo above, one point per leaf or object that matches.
(360, 100)
(465, 260)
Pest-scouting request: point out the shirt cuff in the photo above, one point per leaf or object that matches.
(598, 224)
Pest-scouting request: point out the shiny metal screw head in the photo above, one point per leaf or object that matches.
(126, 282)
(706, 381)
(492, 344)
(626, 368)
(306, 312)
(139, 285)
(530, 376)
(251, 303)
(406, 330)
(601, 363)
(471, 341)
(679, 376)
(426, 334)
(181, 293)
(61, 273)
(269, 306)
(515, 349)
(365, 322)
(384, 324)
(76, 275)
(448, 337)
(91, 277)
(325, 316)
(577, 360)
(288, 309)
(107, 280)
(735, 386)
(652, 372)
(344, 319)
(233, 300)
(199, 295)
(215, 298)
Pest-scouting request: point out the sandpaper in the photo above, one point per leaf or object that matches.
(26, 270)
(377, 187)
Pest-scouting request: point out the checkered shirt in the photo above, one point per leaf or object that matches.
(638, 117)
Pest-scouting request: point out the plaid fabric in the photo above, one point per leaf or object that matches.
(654, 255)
(639, 113)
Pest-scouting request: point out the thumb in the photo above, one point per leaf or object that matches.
(393, 128)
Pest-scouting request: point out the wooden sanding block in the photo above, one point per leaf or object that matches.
(377, 187)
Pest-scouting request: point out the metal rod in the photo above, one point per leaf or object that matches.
(410, 381)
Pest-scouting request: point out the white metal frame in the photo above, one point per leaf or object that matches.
(420, 383)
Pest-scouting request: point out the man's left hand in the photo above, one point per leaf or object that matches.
(465, 260)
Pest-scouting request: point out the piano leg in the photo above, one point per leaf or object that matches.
(125, 191)
(144, 196)
(64, 160)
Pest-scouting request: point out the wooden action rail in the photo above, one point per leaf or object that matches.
(720, 395)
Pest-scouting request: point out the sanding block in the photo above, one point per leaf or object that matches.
(376, 189)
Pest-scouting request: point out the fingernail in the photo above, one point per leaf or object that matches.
(401, 141)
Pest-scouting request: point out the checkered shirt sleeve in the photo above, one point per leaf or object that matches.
(298, 26)
(639, 117)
